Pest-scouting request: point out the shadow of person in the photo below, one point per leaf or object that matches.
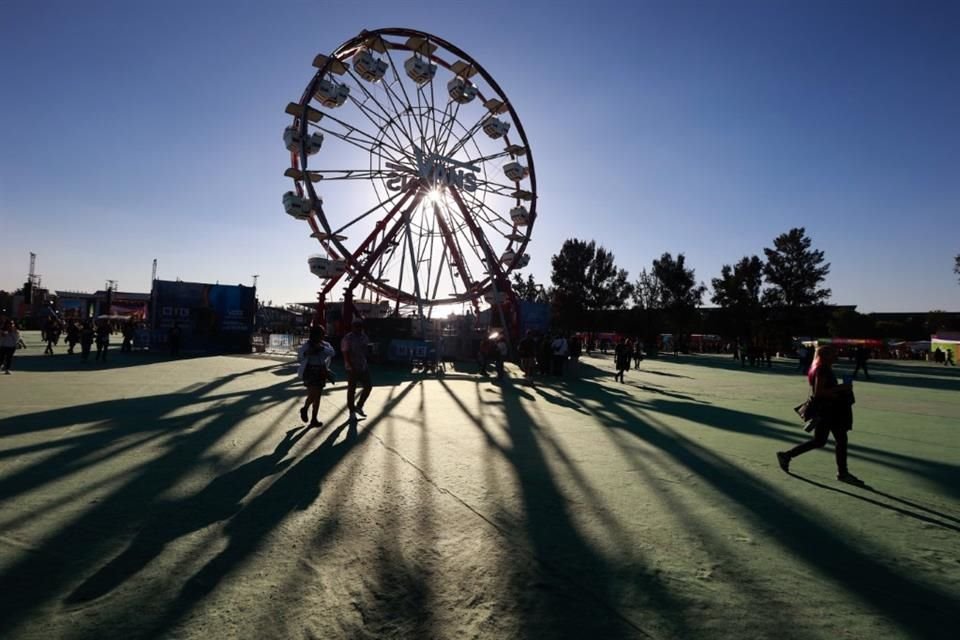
(866, 487)
(218, 501)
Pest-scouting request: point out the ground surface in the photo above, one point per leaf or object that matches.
(149, 498)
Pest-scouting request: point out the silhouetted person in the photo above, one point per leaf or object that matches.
(51, 334)
(129, 329)
(500, 355)
(560, 350)
(103, 340)
(353, 346)
(860, 357)
(9, 339)
(527, 349)
(948, 357)
(73, 335)
(833, 413)
(621, 358)
(637, 353)
(86, 339)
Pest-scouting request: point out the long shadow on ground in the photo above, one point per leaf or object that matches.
(920, 609)
(39, 576)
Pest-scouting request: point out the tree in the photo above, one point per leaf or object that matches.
(738, 287)
(585, 278)
(647, 292)
(529, 289)
(680, 294)
(737, 293)
(794, 271)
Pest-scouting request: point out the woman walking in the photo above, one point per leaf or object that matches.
(833, 404)
(622, 354)
(314, 357)
(9, 339)
(103, 340)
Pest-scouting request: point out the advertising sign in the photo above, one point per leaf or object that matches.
(211, 317)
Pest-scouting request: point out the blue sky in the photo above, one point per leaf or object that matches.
(134, 130)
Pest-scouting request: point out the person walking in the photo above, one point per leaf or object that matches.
(527, 351)
(51, 334)
(314, 371)
(560, 350)
(637, 353)
(9, 339)
(833, 411)
(129, 329)
(73, 335)
(621, 358)
(86, 339)
(103, 340)
(860, 357)
(353, 346)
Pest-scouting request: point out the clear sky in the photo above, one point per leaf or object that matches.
(134, 130)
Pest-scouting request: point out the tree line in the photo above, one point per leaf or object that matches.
(760, 300)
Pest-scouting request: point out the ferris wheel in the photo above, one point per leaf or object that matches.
(413, 172)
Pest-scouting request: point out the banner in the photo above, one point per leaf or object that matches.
(211, 317)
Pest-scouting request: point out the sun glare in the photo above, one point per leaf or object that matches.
(434, 196)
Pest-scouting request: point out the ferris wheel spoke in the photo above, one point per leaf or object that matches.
(351, 174)
(481, 160)
(466, 137)
(391, 121)
(447, 126)
(351, 129)
(361, 144)
(377, 252)
(385, 125)
(381, 205)
(406, 95)
(485, 207)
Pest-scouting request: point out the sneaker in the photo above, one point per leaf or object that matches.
(315, 423)
(359, 412)
(784, 460)
(303, 414)
(849, 478)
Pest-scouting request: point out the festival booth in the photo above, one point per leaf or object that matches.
(845, 343)
(947, 343)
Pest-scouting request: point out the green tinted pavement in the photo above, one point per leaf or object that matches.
(154, 498)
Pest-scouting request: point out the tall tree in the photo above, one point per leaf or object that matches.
(647, 292)
(680, 294)
(739, 286)
(737, 293)
(529, 289)
(794, 271)
(585, 278)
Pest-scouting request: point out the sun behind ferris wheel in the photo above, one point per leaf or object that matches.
(438, 154)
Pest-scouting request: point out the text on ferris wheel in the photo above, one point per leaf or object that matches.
(436, 170)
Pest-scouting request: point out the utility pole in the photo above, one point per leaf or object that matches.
(255, 276)
(154, 275)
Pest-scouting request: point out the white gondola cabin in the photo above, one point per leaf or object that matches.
(419, 70)
(296, 206)
(370, 68)
(326, 267)
(331, 94)
(292, 140)
(461, 91)
(515, 171)
(495, 127)
(508, 257)
(522, 261)
(520, 216)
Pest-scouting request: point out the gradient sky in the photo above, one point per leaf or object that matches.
(135, 130)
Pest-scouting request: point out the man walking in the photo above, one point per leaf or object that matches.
(353, 346)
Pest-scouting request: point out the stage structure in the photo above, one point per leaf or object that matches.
(413, 172)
